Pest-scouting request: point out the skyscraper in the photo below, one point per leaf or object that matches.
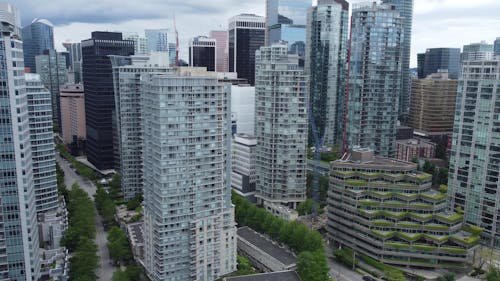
(202, 52)
(326, 63)
(20, 248)
(75, 60)
(281, 123)
(141, 46)
(475, 160)
(221, 48)
(157, 40)
(405, 9)
(496, 47)
(246, 35)
(52, 69)
(99, 94)
(477, 51)
(73, 113)
(286, 21)
(436, 59)
(42, 144)
(433, 103)
(189, 226)
(38, 36)
(127, 72)
(374, 77)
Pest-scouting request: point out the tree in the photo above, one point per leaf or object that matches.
(442, 177)
(120, 275)
(135, 202)
(118, 246)
(429, 168)
(305, 208)
(312, 266)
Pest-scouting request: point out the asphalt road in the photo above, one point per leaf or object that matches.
(340, 272)
(106, 269)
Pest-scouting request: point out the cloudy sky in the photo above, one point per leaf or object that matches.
(437, 23)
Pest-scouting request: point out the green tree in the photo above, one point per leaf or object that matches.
(312, 266)
(305, 208)
(442, 177)
(120, 275)
(429, 168)
(118, 246)
(493, 274)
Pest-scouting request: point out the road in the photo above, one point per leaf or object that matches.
(106, 269)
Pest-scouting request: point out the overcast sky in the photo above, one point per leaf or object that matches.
(436, 23)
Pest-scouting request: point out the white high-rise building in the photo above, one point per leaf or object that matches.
(281, 126)
(243, 176)
(19, 247)
(189, 227)
(141, 46)
(157, 40)
(42, 144)
(127, 73)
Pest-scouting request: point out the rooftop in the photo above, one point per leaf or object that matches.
(365, 157)
(274, 276)
(258, 240)
(136, 233)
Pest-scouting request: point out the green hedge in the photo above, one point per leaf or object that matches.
(82, 170)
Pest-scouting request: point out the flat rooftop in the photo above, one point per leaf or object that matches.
(136, 232)
(274, 276)
(263, 243)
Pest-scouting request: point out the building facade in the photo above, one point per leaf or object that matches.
(474, 164)
(286, 21)
(157, 40)
(51, 66)
(73, 113)
(436, 59)
(75, 62)
(202, 52)
(496, 46)
(190, 232)
(374, 78)
(405, 9)
(246, 34)
(477, 51)
(410, 149)
(20, 259)
(243, 108)
(281, 126)
(127, 73)
(99, 94)
(141, 46)
(221, 49)
(38, 36)
(42, 144)
(243, 177)
(326, 63)
(387, 210)
(433, 103)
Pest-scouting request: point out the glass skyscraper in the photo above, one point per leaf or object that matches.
(477, 51)
(202, 52)
(19, 247)
(474, 184)
(38, 36)
(281, 125)
(326, 63)
(436, 59)
(51, 66)
(99, 94)
(496, 47)
(246, 35)
(286, 21)
(189, 228)
(157, 40)
(376, 54)
(405, 9)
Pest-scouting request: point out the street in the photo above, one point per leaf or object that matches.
(106, 269)
(340, 272)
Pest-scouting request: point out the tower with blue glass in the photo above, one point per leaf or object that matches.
(38, 36)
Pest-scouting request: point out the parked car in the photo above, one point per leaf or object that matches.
(368, 278)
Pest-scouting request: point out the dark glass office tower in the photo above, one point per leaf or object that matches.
(99, 93)
(496, 47)
(405, 9)
(439, 59)
(37, 37)
(247, 33)
(326, 63)
(202, 52)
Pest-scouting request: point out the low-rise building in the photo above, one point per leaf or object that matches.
(407, 150)
(265, 254)
(274, 276)
(387, 210)
(281, 211)
(135, 232)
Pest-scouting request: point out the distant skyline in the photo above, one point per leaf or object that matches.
(437, 23)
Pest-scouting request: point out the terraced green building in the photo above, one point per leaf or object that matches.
(386, 209)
